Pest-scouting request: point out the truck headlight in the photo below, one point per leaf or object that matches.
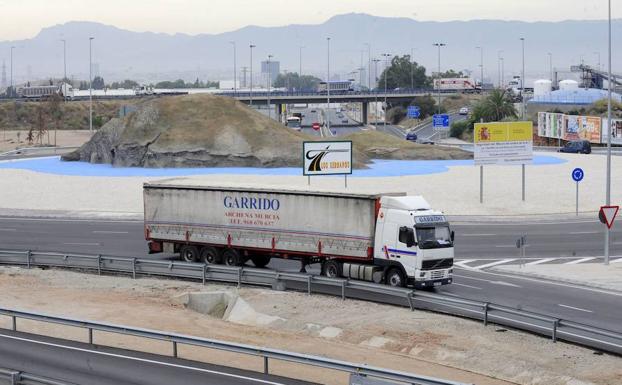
(422, 274)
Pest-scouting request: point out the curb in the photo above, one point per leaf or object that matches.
(556, 279)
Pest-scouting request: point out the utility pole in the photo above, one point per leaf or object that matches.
(91, 84)
(251, 75)
(235, 71)
(375, 93)
(300, 62)
(522, 81)
(269, 86)
(499, 70)
(439, 45)
(502, 72)
(368, 65)
(64, 70)
(12, 90)
(481, 66)
(328, 83)
(386, 75)
(551, 66)
(609, 84)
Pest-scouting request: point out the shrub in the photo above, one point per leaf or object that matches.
(458, 128)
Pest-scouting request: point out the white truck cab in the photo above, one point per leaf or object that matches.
(413, 242)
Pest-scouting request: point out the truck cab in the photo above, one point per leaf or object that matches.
(413, 243)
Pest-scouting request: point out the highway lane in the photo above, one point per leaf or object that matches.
(81, 363)
(476, 239)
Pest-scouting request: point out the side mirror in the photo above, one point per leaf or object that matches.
(452, 235)
(407, 236)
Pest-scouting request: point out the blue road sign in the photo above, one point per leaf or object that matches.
(440, 121)
(413, 112)
(577, 174)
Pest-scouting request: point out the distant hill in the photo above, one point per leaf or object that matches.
(147, 56)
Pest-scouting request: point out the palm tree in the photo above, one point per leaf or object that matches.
(495, 107)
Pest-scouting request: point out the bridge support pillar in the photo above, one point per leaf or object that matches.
(364, 112)
(279, 111)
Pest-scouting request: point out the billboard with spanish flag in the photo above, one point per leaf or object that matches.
(503, 143)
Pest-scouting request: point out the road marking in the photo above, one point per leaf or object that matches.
(476, 235)
(91, 220)
(575, 308)
(82, 243)
(616, 261)
(583, 232)
(131, 358)
(491, 264)
(539, 261)
(110, 232)
(464, 265)
(579, 261)
(8, 229)
(502, 283)
(472, 287)
(513, 246)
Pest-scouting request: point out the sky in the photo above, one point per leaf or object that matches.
(23, 19)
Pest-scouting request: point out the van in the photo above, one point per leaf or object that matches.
(577, 147)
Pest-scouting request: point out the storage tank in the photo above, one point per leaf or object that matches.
(542, 87)
(568, 85)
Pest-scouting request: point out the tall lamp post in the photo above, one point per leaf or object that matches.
(64, 71)
(12, 90)
(609, 84)
(481, 66)
(269, 86)
(91, 83)
(412, 68)
(300, 48)
(502, 72)
(368, 65)
(328, 83)
(386, 75)
(375, 93)
(439, 45)
(251, 74)
(499, 70)
(235, 70)
(522, 81)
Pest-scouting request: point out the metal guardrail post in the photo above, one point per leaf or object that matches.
(99, 264)
(28, 255)
(15, 378)
(91, 336)
(410, 301)
(343, 290)
(14, 322)
(204, 273)
(134, 268)
(309, 278)
(240, 277)
(554, 331)
(486, 313)
(175, 349)
(265, 365)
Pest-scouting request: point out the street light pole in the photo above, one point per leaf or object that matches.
(251, 74)
(368, 65)
(269, 86)
(502, 72)
(235, 71)
(481, 67)
(12, 90)
(439, 45)
(375, 93)
(412, 68)
(91, 84)
(609, 84)
(522, 81)
(499, 61)
(386, 75)
(300, 62)
(328, 83)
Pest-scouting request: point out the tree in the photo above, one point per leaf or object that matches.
(452, 74)
(402, 73)
(41, 124)
(127, 84)
(293, 81)
(427, 105)
(83, 85)
(98, 83)
(56, 112)
(497, 106)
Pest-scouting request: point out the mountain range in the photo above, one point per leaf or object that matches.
(145, 56)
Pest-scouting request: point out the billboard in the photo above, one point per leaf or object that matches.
(616, 131)
(503, 143)
(550, 125)
(327, 158)
(582, 127)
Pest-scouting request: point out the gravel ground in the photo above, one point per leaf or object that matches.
(357, 331)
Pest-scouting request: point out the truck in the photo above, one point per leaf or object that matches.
(466, 85)
(389, 238)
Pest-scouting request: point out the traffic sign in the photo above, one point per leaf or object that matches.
(577, 174)
(607, 214)
(413, 111)
(440, 121)
(315, 126)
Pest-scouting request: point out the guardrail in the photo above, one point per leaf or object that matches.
(14, 377)
(543, 324)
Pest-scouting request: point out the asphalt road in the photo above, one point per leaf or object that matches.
(485, 241)
(80, 363)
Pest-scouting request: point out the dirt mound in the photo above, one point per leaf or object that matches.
(378, 145)
(193, 131)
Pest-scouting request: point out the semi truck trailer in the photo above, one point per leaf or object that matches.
(387, 238)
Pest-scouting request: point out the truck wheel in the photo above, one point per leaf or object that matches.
(395, 278)
(189, 253)
(260, 260)
(210, 255)
(331, 269)
(232, 258)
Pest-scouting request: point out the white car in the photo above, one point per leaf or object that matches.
(464, 111)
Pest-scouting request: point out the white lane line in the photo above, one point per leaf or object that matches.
(131, 358)
(469, 286)
(616, 261)
(464, 265)
(575, 308)
(476, 235)
(539, 261)
(110, 232)
(502, 283)
(583, 232)
(8, 229)
(579, 260)
(491, 264)
(90, 220)
(507, 246)
(82, 244)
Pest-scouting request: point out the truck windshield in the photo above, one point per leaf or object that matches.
(433, 237)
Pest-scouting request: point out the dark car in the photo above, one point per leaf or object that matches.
(577, 147)
(411, 136)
